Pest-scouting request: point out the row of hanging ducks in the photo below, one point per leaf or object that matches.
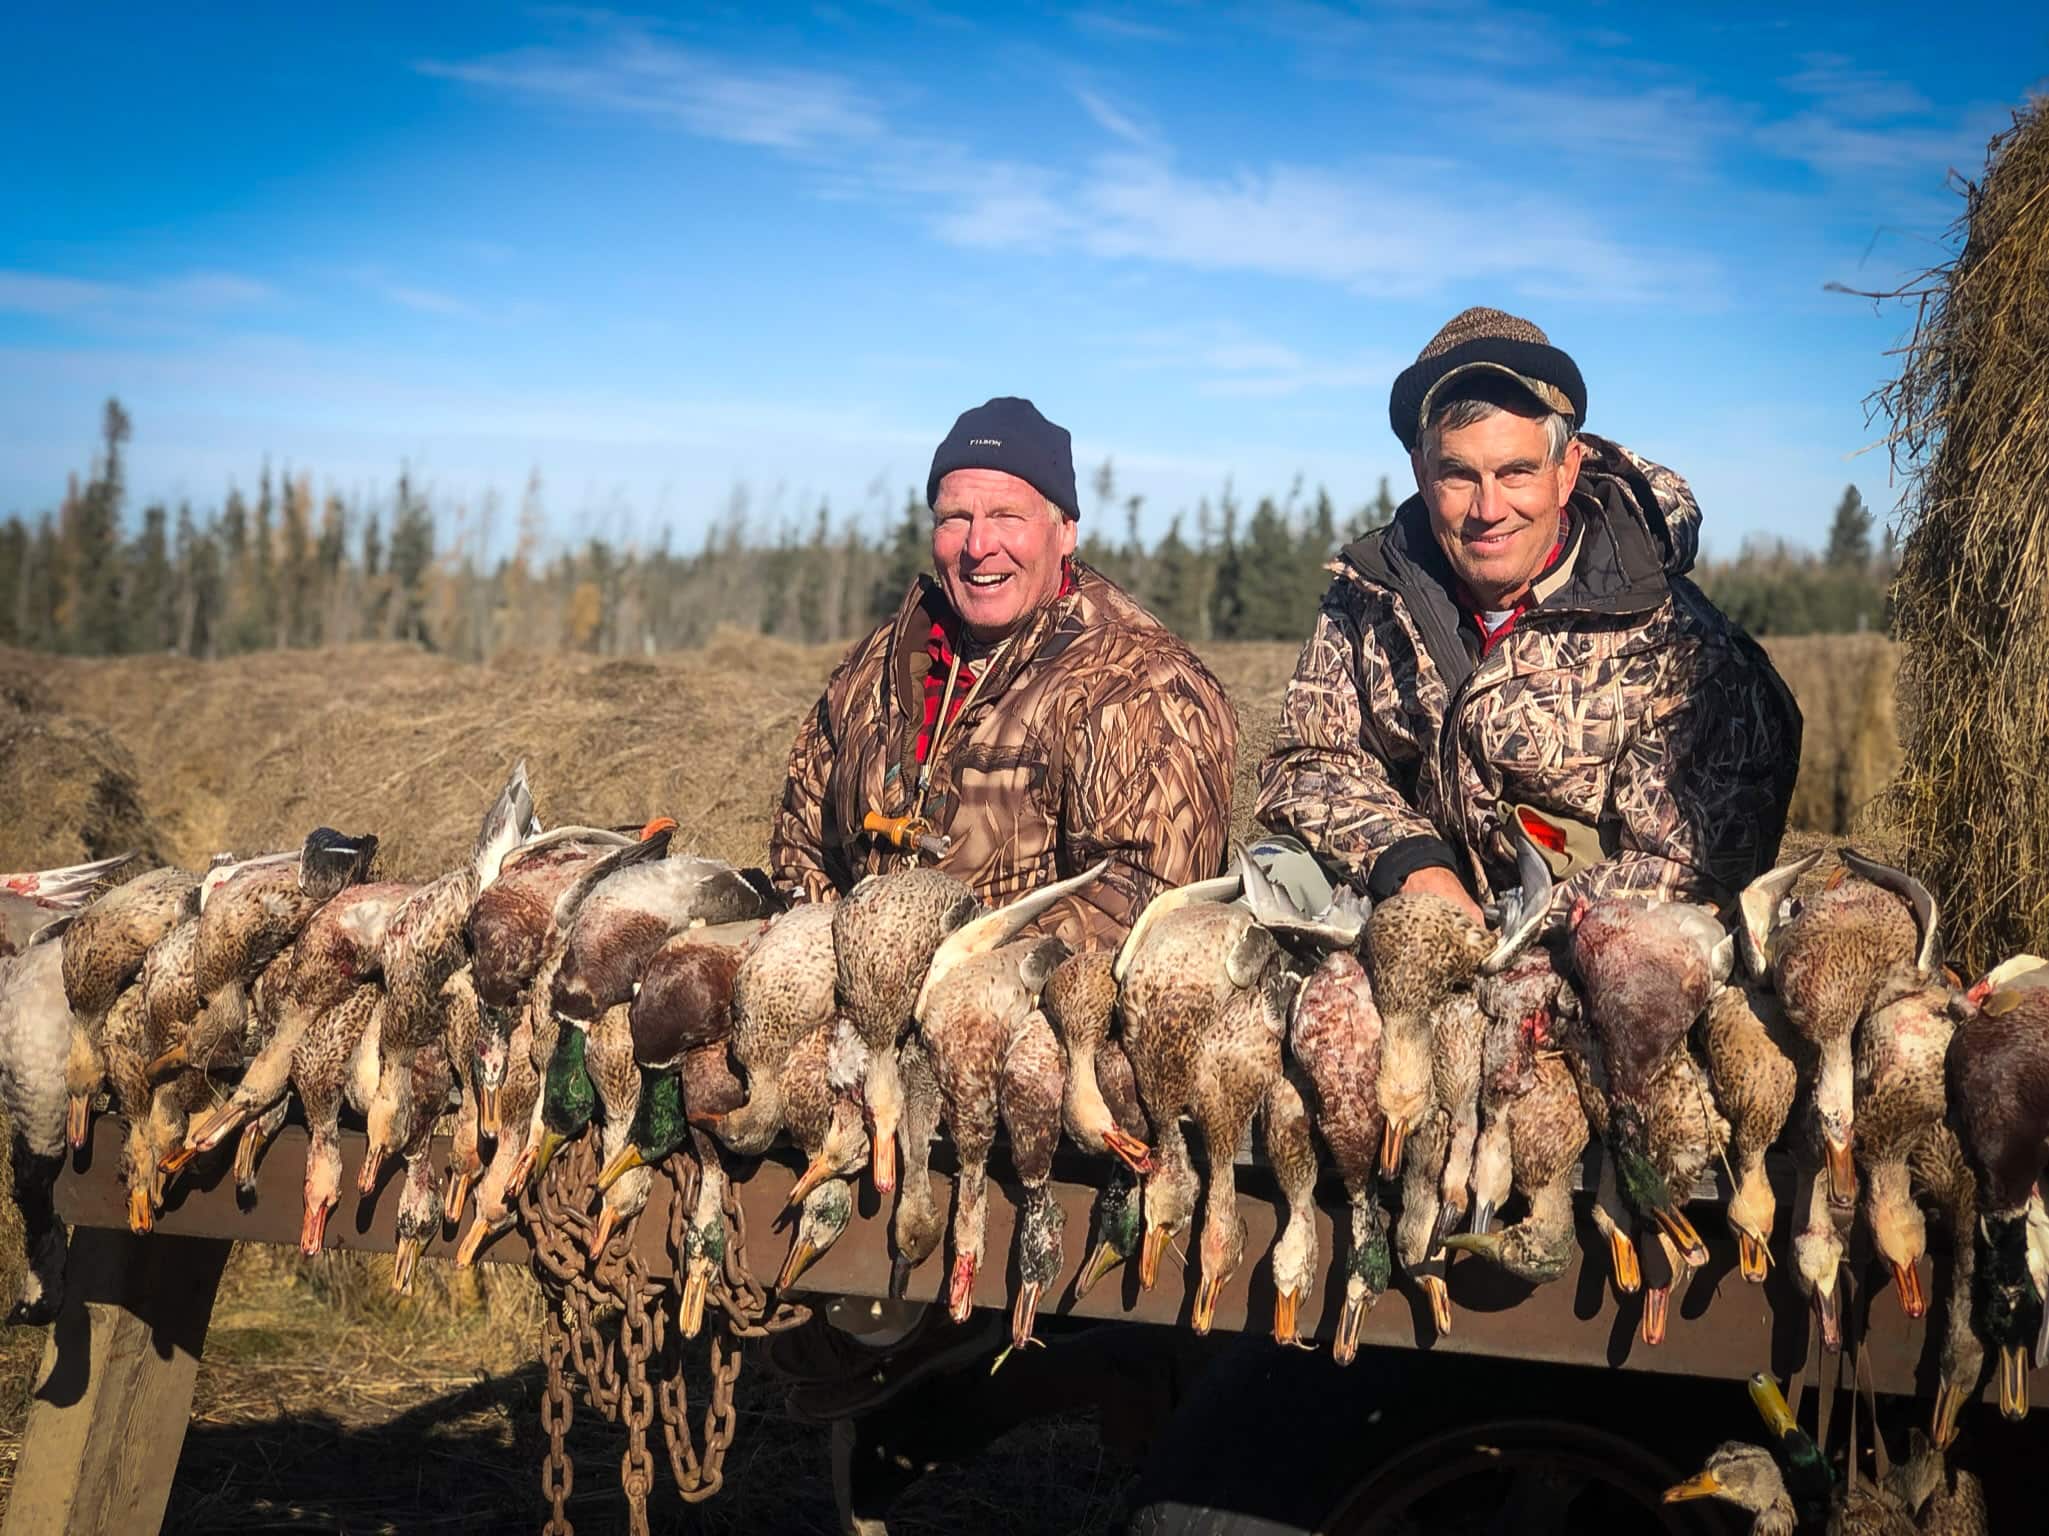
(556, 980)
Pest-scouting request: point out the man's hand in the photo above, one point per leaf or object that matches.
(1438, 881)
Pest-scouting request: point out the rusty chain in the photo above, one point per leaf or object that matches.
(614, 1325)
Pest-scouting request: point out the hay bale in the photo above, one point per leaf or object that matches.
(1970, 413)
(70, 792)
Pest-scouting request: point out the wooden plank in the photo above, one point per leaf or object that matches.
(112, 1399)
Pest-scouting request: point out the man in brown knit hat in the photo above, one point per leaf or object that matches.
(1522, 636)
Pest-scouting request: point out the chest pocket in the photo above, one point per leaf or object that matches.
(1553, 737)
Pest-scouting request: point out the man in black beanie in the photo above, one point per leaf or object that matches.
(1019, 718)
(1522, 637)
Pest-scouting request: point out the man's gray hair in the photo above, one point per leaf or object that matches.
(1463, 410)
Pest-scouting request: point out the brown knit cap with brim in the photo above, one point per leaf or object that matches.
(1490, 341)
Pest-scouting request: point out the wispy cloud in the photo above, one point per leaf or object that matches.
(630, 70)
(1123, 28)
(53, 295)
(1113, 119)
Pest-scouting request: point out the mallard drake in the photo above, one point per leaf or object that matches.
(1117, 1227)
(424, 944)
(103, 950)
(1101, 1111)
(684, 1009)
(1938, 1164)
(33, 899)
(1921, 1496)
(1901, 1094)
(1335, 1036)
(1998, 1074)
(319, 1072)
(1648, 971)
(1206, 998)
(781, 993)
(1752, 1054)
(1826, 961)
(35, 1029)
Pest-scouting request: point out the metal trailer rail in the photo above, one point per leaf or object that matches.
(99, 1456)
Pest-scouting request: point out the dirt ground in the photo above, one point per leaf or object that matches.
(322, 1403)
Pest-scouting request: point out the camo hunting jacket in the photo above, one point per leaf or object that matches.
(1095, 733)
(1623, 707)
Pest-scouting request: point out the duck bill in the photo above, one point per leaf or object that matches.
(208, 1134)
(313, 1228)
(1024, 1312)
(1906, 1279)
(171, 1061)
(1394, 1135)
(1753, 1258)
(1622, 1255)
(1448, 1218)
(815, 1173)
(1287, 1310)
(1485, 1245)
(1137, 1156)
(544, 1152)
(1830, 1315)
(1102, 1261)
(629, 1159)
(142, 1215)
(487, 1113)
(1949, 1407)
(373, 1164)
(1771, 1406)
(1657, 1303)
(1439, 1292)
(519, 1173)
(247, 1151)
(1483, 1218)
(1673, 1224)
(179, 1160)
(1149, 1255)
(77, 1120)
(2013, 1381)
(460, 1182)
(803, 1254)
(472, 1243)
(405, 1258)
(601, 1235)
(882, 1159)
(960, 1289)
(1344, 1348)
(1703, 1485)
(1842, 1170)
(690, 1309)
(1207, 1291)
(900, 1267)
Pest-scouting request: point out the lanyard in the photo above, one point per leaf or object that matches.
(943, 726)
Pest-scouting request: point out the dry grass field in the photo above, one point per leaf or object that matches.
(315, 1379)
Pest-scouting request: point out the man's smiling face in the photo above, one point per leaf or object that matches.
(997, 549)
(1494, 498)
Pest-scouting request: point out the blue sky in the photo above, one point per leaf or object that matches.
(659, 258)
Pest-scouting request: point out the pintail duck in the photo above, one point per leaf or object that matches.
(33, 899)
(1335, 1037)
(1826, 957)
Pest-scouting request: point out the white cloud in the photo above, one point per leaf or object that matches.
(52, 294)
(1112, 119)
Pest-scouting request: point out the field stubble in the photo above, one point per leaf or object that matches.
(324, 1402)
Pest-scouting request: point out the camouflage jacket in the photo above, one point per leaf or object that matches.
(1094, 732)
(1623, 706)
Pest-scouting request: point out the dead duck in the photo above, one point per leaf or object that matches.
(1520, 1003)
(683, 1016)
(420, 1198)
(319, 1074)
(884, 934)
(33, 899)
(424, 944)
(1291, 1153)
(1819, 1251)
(1938, 1164)
(465, 1153)
(35, 1029)
(1747, 1476)
(498, 1190)
(825, 1123)
(1826, 960)
(1101, 1112)
(1547, 1132)
(1457, 1051)
(1206, 1000)
(704, 1236)
(917, 1227)
(781, 993)
(1648, 971)
(1416, 1244)
(617, 1082)
(1901, 1095)
(1752, 1056)
(1030, 1094)
(103, 950)
(1687, 1135)
(339, 949)
(1998, 1075)
(645, 895)
(1334, 1035)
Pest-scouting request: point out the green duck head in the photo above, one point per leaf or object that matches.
(2005, 1310)
(658, 1128)
(1809, 1481)
(1120, 1227)
(569, 1097)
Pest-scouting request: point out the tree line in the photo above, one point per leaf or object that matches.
(286, 568)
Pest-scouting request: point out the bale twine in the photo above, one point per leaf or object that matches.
(1970, 436)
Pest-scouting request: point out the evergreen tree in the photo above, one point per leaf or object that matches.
(1377, 513)
(95, 553)
(149, 625)
(412, 553)
(13, 565)
(1227, 595)
(909, 555)
(1849, 533)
